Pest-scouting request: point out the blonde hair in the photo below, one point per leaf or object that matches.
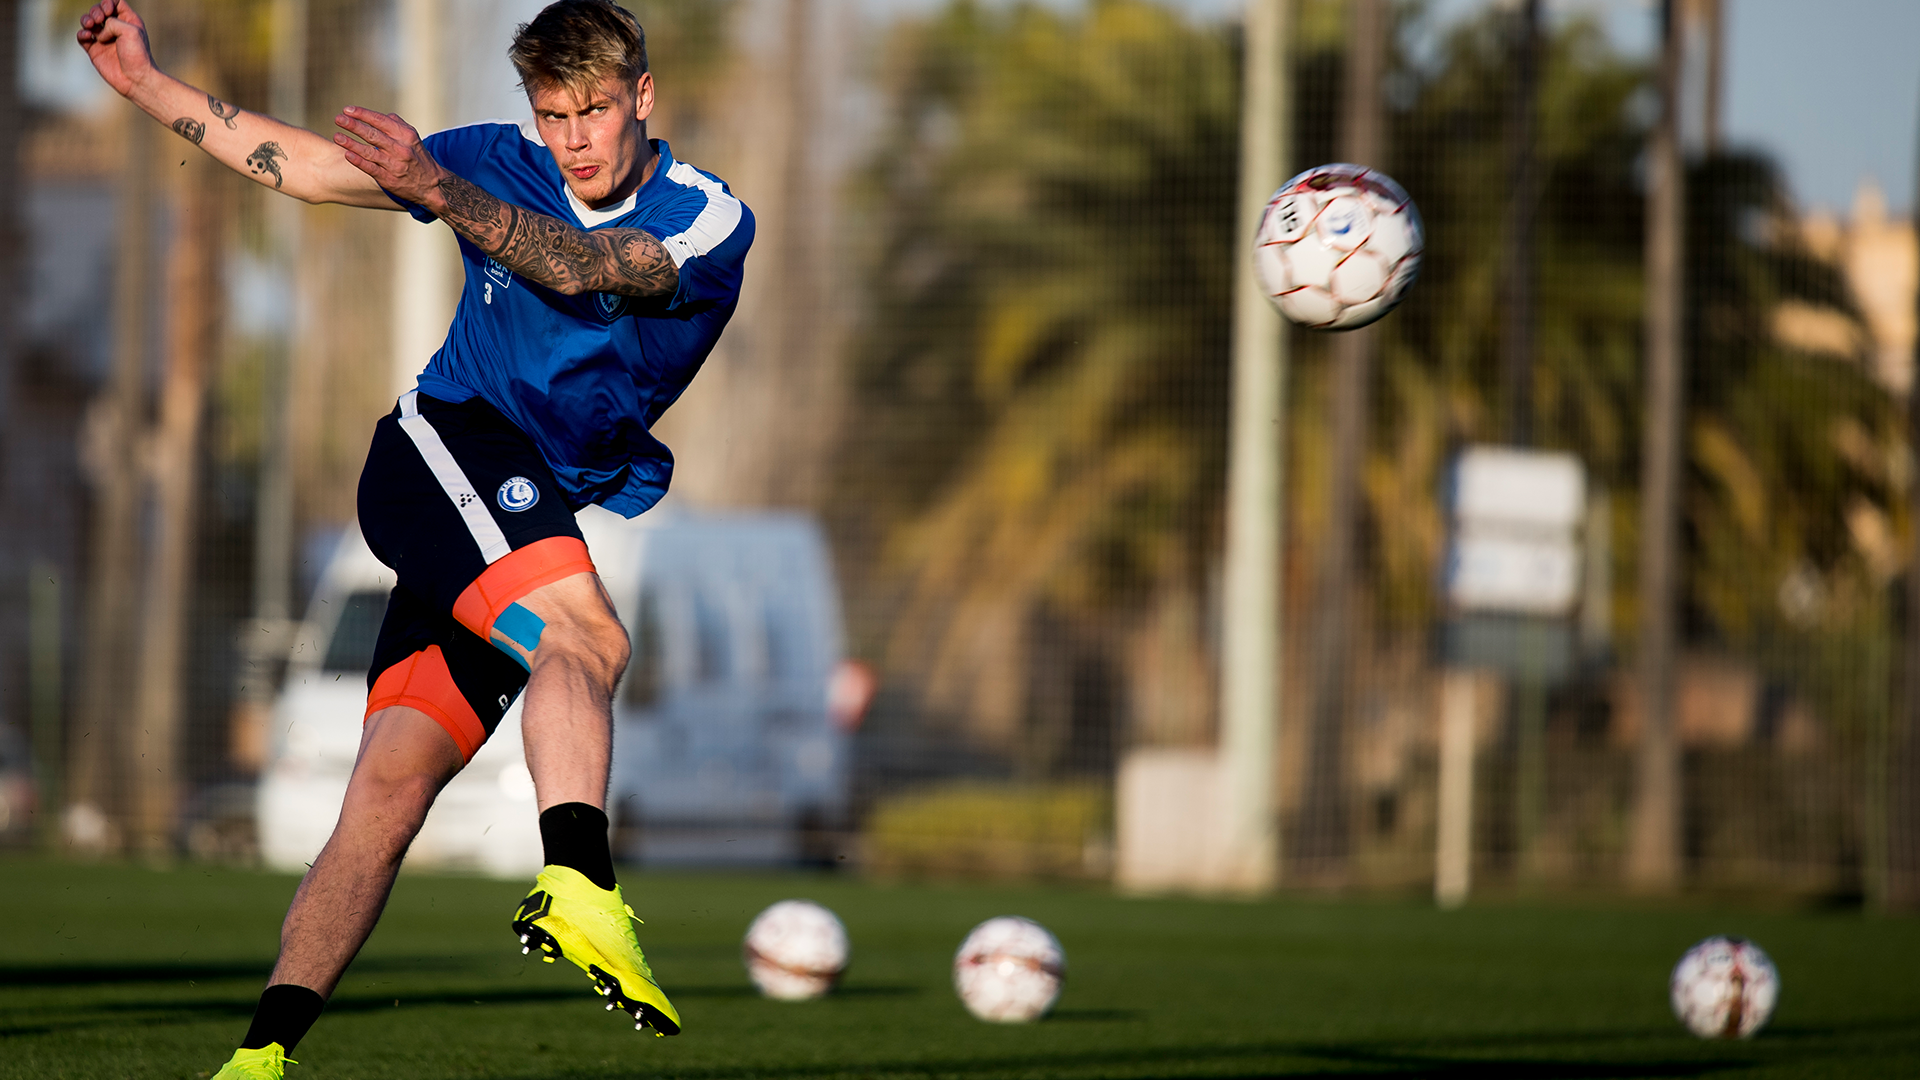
(578, 44)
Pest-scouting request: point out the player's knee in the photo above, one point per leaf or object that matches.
(597, 643)
(602, 641)
(403, 792)
(387, 806)
(615, 649)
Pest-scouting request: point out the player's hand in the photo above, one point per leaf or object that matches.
(116, 42)
(388, 149)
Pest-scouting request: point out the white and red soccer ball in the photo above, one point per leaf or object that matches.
(795, 950)
(1009, 970)
(1338, 247)
(1724, 988)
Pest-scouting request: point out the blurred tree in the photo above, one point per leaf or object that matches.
(1028, 497)
(1039, 400)
(1441, 366)
(144, 456)
(1788, 455)
(1787, 448)
(689, 49)
(160, 660)
(1653, 846)
(1903, 818)
(12, 227)
(98, 788)
(1322, 838)
(1781, 441)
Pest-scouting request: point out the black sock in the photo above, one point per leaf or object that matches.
(283, 1016)
(575, 835)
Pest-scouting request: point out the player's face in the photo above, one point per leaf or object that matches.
(599, 140)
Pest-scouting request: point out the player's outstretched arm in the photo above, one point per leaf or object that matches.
(288, 159)
(564, 258)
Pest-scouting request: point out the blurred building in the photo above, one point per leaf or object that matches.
(1879, 258)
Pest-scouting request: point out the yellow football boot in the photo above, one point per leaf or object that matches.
(568, 916)
(267, 1063)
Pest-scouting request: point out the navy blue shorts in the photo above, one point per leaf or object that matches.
(460, 503)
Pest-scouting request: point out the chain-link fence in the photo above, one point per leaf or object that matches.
(986, 342)
(1031, 498)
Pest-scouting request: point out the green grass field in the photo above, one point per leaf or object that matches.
(118, 972)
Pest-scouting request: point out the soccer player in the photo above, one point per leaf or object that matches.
(600, 271)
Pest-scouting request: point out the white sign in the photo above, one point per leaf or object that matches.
(1492, 571)
(1519, 489)
(1515, 545)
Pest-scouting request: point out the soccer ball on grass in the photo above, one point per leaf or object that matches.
(795, 950)
(1009, 970)
(1338, 246)
(1724, 988)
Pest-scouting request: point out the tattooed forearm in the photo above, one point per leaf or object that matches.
(630, 262)
(644, 259)
(467, 203)
(266, 159)
(224, 111)
(190, 129)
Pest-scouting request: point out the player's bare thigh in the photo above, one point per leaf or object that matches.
(572, 618)
(404, 749)
(578, 656)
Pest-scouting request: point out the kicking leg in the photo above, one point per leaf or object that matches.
(574, 648)
(574, 658)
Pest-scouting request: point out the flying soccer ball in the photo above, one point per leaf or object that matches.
(1338, 246)
(1009, 970)
(795, 950)
(1724, 988)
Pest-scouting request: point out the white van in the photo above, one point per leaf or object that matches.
(724, 749)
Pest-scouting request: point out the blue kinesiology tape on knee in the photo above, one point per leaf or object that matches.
(522, 628)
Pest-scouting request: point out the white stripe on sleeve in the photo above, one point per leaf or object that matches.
(711, 226)
(486, 532)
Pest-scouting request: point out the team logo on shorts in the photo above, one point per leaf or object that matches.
(611, 305)
(517, 494)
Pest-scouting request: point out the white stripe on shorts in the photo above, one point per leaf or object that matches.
(486, 532)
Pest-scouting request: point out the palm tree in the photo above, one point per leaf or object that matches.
(1028, 496)
(1041, 391)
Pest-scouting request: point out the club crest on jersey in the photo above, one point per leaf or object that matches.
(517, 494)
(611, 305)
(499, 273)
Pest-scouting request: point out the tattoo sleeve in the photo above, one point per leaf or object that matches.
(630, 262)
(224, 111)
(266, 159)
(190, 129)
